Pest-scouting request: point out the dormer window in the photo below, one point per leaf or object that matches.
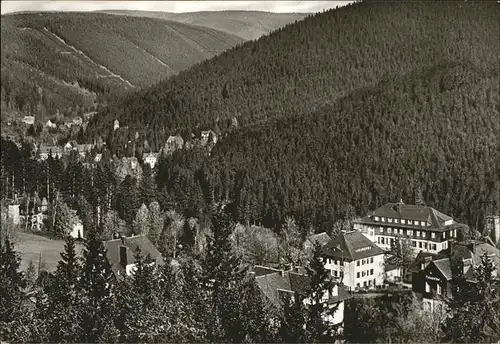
(433, 235)
(389, 219)
(377, 218)
(396, 220)
(382, 219)
(403, 221)
(410, 222)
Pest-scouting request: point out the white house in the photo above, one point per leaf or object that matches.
(428, 229)
(150, 158)
(77, 230)
(353, 259)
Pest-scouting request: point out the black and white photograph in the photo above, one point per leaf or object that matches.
(250, 171)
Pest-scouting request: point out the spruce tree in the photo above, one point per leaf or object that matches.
(293, 324)
(63, 298)
(222, 274)
(12, 283)
(319, 310)
(96, 285)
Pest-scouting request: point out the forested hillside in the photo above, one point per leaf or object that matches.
(435, 130)
(59, 60)
(318, 60)
(245, 24)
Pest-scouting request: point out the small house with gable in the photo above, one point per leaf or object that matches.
(120, 254)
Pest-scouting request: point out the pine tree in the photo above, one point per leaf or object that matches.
(141, 222)
(222, 275)
(155, 222)
(96, 284)
(12, 283)
(293, 324)
(63, 298)
(319, 311)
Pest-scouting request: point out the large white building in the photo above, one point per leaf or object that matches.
(355, 260)
(428, 229)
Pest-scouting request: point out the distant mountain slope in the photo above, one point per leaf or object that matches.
(49, 52)
(248, 25)
(435, 129)
(315, 61)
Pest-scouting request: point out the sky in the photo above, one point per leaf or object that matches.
(169, 6)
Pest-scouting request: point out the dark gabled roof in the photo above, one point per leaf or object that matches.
(444, 266)
(299, 283)
(270, 285)
(420, 258)
(435, 218)
(351, 246)
(320, 238)
(260, 270)
(131, 243)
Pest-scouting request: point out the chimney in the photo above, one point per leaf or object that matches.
(123, 256)
(282, 273)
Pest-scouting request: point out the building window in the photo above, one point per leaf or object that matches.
(383, 240)
(357, 274)
(433, 235)
(438, 290)
(389, 230)
(389, 220)
(381, 229)
(414, 243)
(335, 273)
(371, 272)
(382, 219)
(362, 274)
(427, 287)
(403, 221)
(434, 247)
(376, 218)
(341, 263)
(419, 244)
(357, 285)
(425, 245)
(392, 241)
(357, 263)
(410, 222)
(418, 233)
(444, 235)
(396, 220)
(378, 240)
(335, 261)
(369, 282)
(371, 260)
(364, 284)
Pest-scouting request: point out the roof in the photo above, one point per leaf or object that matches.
(48, 149)
(320, 238)
(275, 283)
(131, 243)
(444, 266)
(351, 246)
(413, 212)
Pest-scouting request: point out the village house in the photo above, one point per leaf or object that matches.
(432, 274)
(45, 151)
(84, 149)
(116, 124)
(50, 124)
(120, 253)
(150, 158)
(353, 259)
(29, 120)
(427, 228)
(13, 212)
(206, 135)
(98, 157)
(173, 143)
(276, 284)
(320, 238)
(76, 229)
